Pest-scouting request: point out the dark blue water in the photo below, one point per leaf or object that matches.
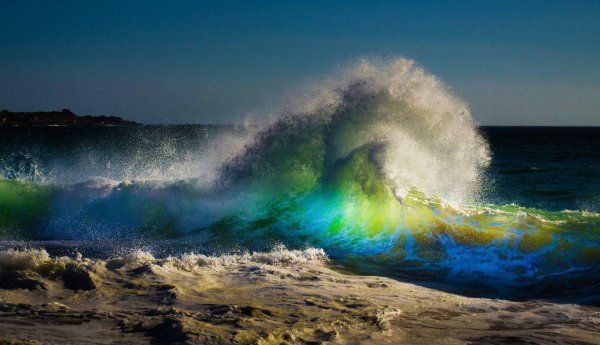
(550, 168)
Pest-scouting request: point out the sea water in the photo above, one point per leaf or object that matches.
(382, 167)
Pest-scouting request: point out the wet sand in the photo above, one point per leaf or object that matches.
(281, 297)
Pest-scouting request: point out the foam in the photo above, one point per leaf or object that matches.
(279, 256)
(32, 259)
(12, 259)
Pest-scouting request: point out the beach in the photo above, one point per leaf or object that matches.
(278, 297)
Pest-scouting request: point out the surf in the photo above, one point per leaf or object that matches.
(381, 166)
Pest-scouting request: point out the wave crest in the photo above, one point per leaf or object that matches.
(424, 136)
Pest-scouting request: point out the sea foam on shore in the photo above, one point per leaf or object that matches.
(282, 296)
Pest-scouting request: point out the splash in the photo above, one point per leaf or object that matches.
(416, 132)
(66, 156)
(381, 167)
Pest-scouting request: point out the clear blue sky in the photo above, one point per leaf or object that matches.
(515, 62)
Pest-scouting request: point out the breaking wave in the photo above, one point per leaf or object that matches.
(382, 167)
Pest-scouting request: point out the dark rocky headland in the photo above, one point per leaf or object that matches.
(59, 118)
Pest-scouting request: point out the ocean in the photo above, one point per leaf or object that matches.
(389, 176)
(106, 190)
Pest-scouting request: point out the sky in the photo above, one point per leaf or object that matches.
(514, 62)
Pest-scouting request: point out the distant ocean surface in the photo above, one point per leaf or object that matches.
(551, 168)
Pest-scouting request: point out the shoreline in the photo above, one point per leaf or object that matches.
(282, 296)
